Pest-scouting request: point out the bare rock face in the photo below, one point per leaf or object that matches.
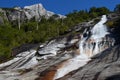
(103, 66)
(113, 16)
(29, 12)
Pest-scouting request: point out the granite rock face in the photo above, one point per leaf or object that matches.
(36, 11)
(103, 66)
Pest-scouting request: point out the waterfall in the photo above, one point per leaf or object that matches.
(92, 42)
(98, 32)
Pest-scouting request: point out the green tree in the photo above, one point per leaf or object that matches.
(117, 8)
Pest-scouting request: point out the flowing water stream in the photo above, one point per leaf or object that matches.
(89, 45)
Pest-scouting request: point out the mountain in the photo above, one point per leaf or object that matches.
(36, 11)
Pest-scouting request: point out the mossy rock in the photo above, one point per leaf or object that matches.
(110, 24)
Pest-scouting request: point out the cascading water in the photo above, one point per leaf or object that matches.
(100, 30)
(92, 42)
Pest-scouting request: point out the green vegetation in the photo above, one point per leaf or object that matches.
(117, 8)
(1, 14)
(11, 36)
(112, 24)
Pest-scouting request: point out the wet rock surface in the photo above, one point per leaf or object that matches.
(103, 66)
(29, 66)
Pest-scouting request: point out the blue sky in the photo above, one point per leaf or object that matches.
(62, 6)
